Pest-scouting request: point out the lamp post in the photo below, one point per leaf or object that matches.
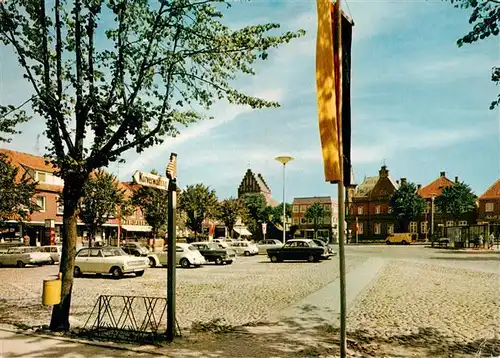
(283, 160)
(432, 221)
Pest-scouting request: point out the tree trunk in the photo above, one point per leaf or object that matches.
(71, 193)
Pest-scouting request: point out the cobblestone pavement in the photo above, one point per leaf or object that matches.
(249, 290)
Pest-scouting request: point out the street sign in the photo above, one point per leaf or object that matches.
(151, 180)
(264, 228)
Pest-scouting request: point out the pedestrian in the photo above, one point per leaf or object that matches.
(481, 241)
(492, 240)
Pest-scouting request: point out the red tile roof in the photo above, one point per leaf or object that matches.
(493, 192)
(434, 188)
(28, 160)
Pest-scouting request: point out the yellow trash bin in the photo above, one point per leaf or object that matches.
(51, 292)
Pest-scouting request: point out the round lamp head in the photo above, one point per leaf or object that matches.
(284, 160)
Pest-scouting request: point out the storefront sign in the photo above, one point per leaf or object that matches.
(150, 180)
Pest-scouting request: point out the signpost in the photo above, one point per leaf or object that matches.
(171, 173)
(151, 180)
(264, 229)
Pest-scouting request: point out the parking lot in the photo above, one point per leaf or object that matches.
(248, 290)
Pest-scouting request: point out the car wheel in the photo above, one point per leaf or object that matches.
(387, 242)
(116, 272)
(311, 258)
(218, 261)
(247, 253)
(77, 272)
(20, 264)
(274, 258)
(152, 262)
(1, 264)
(404, 242)
(52, 261)
(139, 273)
(185, 263)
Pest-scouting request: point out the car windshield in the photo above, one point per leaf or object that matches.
(214, 246)
(192, 248)
(110, 252)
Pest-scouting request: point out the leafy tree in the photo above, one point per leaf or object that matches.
(154, 205)
(406, 204)
(230, 210)
(485, 18)
(199, 203)
(456, 200)
(258, 212)
(276, 213)
(316, 213)
(101, 197)
(10, 116)
(16, 192)
(110, 76)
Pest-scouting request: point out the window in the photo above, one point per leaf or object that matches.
(390, 228)
(295, 208)
(295, 221)
(83, 253)
(428, 208)
(40, 202)
(423, 227)
(449, 223)
(303, 208)
(360, 228)
(95, 253)
(326, 220)
(462, 223)
(489, 207)
(377, 228)
(60, 207)
(41, 177)
(413, 227)
(377, 209)
(327, 208)
(303, 220)
(360, 210)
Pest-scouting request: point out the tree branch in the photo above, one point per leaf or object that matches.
(79, 110)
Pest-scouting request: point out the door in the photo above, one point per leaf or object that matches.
(96, 262)
(179, 254)
(290, 251)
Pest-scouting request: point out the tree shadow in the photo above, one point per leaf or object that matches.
(464, 258)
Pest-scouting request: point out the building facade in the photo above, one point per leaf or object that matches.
(422, 226)
(48, 191)
(369, 211)
(489, 208)
(328, 226)
(255, 184)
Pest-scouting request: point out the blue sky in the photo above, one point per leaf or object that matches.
(418, 102)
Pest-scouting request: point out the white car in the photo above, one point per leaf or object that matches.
(268, 244)
(108, 260)
(244, 248)
(22, 256)
(54, 251)
(186, 255)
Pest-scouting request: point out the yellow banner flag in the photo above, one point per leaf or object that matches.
(326, 92)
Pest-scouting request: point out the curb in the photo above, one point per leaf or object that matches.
(82, 341)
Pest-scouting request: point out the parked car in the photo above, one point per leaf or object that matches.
(268, 244)
(244, 248)
(186, 256)
(404, 238)
(22, 256)
(108, 260)
(54, 251)
(298, 249)
(222, 242)
(324, 244)
(213, 252)
(138, 250)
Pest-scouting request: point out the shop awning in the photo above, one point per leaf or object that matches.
(242, 231)
(137, 228)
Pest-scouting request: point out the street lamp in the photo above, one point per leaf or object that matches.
(283, 160)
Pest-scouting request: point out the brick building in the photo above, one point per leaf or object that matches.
(48, 191)
(255, 184)
(489, 208)
(369, 206)
(422, 225)
(327, 228)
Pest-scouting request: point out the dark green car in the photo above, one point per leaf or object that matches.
(297, 250)
(213, 253)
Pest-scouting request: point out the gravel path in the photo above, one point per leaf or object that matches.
(251, 289)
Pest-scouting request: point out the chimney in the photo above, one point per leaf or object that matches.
(443, 174)
(383, 172)
(456, 179)
(403, 181)
(397, 182)
(419, 186)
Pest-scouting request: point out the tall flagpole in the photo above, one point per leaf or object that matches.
(341, 189)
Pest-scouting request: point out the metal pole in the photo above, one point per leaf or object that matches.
(171, 261)
(284, 211)
(432, 221)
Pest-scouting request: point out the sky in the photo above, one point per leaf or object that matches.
(419, 104)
